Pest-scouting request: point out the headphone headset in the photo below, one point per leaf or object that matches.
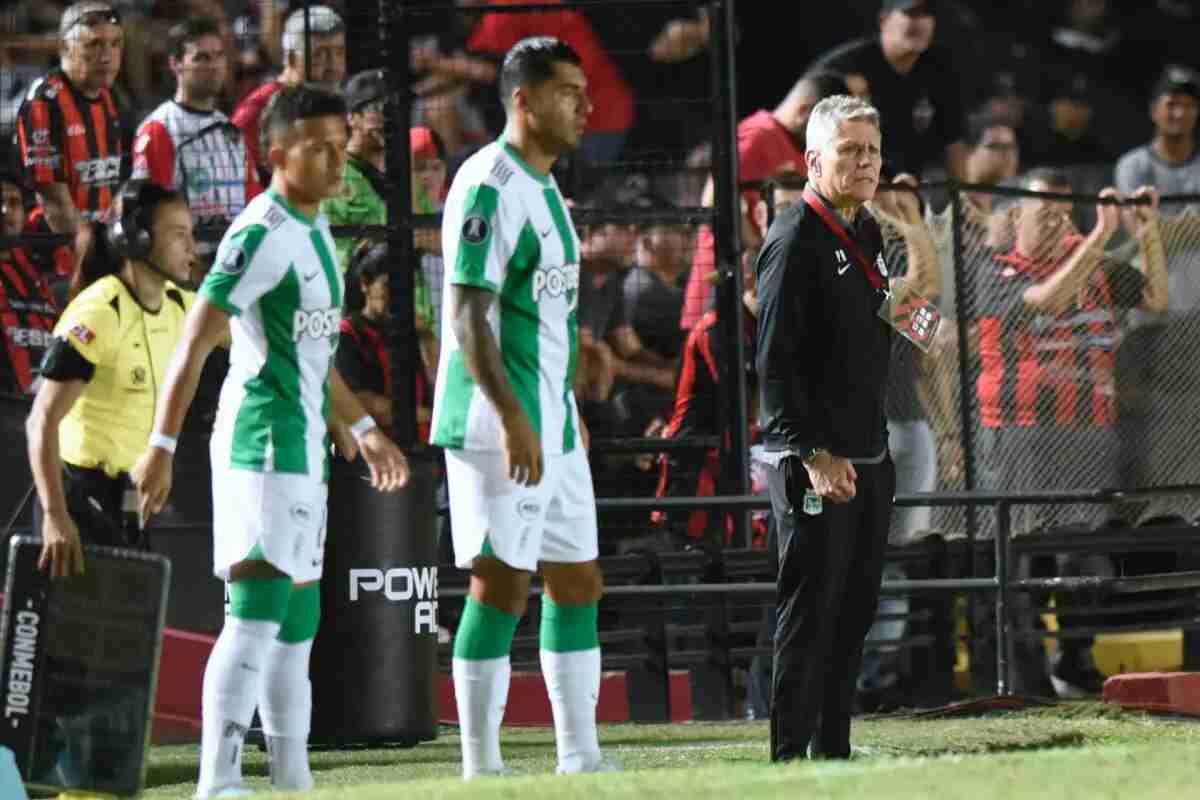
(129, 235)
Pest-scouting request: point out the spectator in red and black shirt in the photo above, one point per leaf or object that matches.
(363, 356)
(27, 309)
(1048, 329)
(1048, 335)
(700, 410)
(68, 130)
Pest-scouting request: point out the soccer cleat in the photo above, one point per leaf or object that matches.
(499, 772)
(602, 763)
(237, 790)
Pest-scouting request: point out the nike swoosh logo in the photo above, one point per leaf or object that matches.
(843, 269)
(546, 232)
(308, 278)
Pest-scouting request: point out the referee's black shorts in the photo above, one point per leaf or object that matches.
(97, 503)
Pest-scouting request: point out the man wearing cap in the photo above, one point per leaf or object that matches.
(362, 199)
(1170, 163)
(913, 85)
(327, 55)
(68, 131)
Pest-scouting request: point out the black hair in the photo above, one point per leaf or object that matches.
(824, 83)
(129, 236)
(294, 103)
(531, 62)
(1051, 176)
(369, 261)
(979, 124)
(189, 31)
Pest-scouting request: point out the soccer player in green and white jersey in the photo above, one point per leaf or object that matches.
(520, 487)
(277, 291)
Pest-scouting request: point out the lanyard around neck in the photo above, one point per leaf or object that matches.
(818, 205)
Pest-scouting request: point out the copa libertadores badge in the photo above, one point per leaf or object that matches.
(475, 229)
(234, 261)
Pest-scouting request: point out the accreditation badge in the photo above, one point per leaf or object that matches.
(911, 315)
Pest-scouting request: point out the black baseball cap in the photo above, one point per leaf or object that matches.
(1177, 79)
(1076, 86)
(364, 88)
(912, 7)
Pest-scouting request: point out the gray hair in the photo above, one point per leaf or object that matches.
(322, 21)
(828, 115)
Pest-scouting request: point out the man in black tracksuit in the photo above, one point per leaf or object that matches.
(822, 362)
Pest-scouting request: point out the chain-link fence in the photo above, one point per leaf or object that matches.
(1065, 363)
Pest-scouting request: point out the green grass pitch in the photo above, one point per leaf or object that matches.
(1068, 751)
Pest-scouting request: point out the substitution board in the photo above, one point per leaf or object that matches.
(80, 666)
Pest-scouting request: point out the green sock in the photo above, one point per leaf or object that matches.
(484, 632)
(568, 628)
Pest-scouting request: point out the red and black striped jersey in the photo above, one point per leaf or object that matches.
(1050, 369)
(28, 313)
(64, 137)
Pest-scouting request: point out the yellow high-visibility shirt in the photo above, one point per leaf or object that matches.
(109, 427)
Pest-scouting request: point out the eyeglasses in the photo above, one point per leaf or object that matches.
(88, 19)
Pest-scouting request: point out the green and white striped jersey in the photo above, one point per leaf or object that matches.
(275, 273)
(506, 228)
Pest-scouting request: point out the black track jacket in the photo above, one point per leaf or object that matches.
(823, 351)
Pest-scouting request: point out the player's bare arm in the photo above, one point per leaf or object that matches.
(207, 327)
(62, 551)
(469, 317)
(389, 467)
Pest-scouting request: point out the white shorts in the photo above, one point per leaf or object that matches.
(521, 525)
(283, 515)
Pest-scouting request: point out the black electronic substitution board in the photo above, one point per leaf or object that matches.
(80, 666)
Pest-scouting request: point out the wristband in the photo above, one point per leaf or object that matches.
(163, 442)
(360, 428)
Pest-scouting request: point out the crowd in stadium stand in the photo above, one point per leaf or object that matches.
(965, 91)
(990, 94)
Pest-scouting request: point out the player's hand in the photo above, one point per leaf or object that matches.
(344, 441)
(152, 475)
(522, 450)
(62, 550)
(832, 478)
(585, 436)
(389, 467)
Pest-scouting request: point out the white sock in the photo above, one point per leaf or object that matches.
(232, 685)
(481, 691)
(286, 712)
(573, 683)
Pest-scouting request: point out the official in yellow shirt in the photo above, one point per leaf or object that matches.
(102, 373)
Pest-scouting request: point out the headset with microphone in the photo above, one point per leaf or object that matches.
(129, 235)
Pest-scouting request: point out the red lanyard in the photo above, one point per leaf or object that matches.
(818, 205)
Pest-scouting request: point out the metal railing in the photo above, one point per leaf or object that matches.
(999, 583)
